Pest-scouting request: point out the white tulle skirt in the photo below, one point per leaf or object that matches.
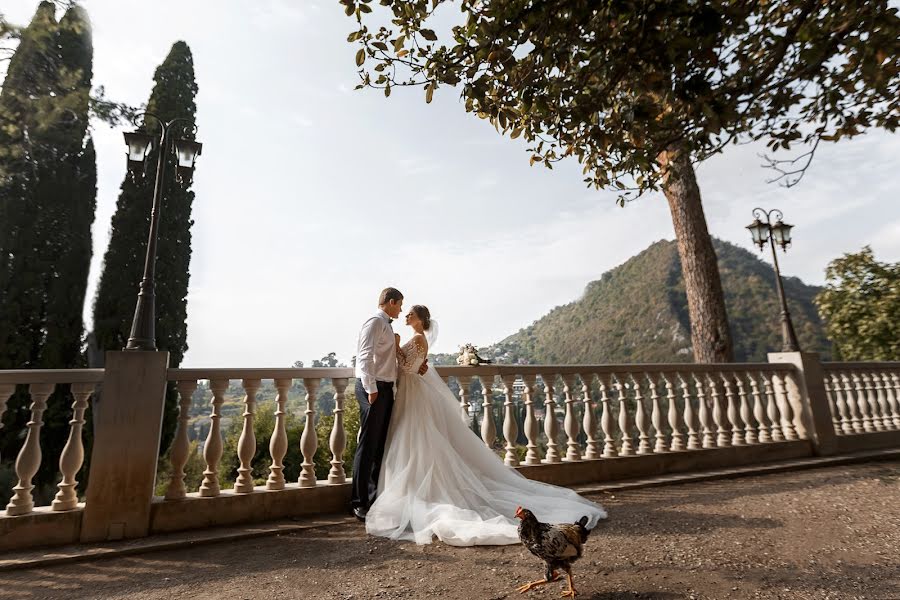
(438, 479)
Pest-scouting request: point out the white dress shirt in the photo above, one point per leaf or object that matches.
(376, 354)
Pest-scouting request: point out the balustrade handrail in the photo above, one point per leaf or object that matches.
(453, 370)
(262, 373)
(859, 365)
(29, 376)
(486, 370)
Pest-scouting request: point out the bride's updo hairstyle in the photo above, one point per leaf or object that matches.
(424, 315)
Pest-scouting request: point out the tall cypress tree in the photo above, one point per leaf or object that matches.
(68, 197)
(25, 103)
(173, 96)
(48, 184)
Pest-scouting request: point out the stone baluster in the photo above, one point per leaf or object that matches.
(759, 410)
(589, 422)
(884, 411)
(892, 394)
(29, 458)
(488, 427)
(247, 442)
(709, 436)
(784, 407)
(751, 431)
(656, 415)
(832, 405)
(278, 443)
(627, 448)
(72, 456)
(855, 422)
(212, 449)
(464, 382)
(571, 424)
(532, 456)
(606, 419)
(772, 409)
(737, 427)
(551, 426)
(840, 403)
(862, 403)
(181, 445)
(876, 403)
(690, 416)
(308, 440)
(510, 427)
(895, 384)
(871, 401)
(676, 423)
(337, 441)
(640, 417)
(6, 392)
(723, 437)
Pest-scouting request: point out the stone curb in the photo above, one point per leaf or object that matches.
(79, 553)
(735, 472)
(82, 552)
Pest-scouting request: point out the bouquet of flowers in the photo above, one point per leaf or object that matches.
(468, 356)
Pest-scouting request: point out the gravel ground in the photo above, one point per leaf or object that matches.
(827, 533)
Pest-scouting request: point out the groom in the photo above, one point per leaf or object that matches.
(376, 372)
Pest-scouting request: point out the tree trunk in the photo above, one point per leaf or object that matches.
(710, 336)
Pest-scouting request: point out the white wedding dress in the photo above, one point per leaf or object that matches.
(438, 479)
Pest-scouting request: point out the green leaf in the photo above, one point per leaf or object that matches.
(360, 57)
(429, 92)
(380, 46)
(365, 8)
(428, 35)
(387, 90)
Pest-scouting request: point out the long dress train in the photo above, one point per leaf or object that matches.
(438, 479)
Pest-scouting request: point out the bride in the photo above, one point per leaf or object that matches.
(439, 480)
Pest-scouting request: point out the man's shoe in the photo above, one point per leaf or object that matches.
(360, 513)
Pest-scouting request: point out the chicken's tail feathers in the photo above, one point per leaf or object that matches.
(582, 526)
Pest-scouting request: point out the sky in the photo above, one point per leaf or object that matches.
(311, 196)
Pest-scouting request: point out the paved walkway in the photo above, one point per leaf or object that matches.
(829, 533)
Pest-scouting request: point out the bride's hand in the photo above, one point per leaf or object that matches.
(397, 339)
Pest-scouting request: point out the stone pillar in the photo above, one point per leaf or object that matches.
(812, 416)
(127, 418)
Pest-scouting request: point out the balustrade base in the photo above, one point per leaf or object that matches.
(868, 441)
(230, 508)
(645, 465)
(42, 527)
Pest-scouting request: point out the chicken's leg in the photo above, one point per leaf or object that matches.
(554, 576)
(569, 593)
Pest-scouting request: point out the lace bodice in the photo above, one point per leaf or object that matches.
(410, 357)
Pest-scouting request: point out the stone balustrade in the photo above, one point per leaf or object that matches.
(863, 400)
(40, 385)
(561, 424)
(608, 411)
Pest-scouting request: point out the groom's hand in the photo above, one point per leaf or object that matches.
(424, 368)
(373, 396)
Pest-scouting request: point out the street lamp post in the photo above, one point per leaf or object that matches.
(143, 326)
(779, 233)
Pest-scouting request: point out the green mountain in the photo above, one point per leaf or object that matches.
(637, 313)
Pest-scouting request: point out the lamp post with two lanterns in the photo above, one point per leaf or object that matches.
(143, 326)
(779, 233)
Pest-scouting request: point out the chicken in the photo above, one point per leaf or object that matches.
(557, 545)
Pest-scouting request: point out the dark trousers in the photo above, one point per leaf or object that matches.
(374, 420)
